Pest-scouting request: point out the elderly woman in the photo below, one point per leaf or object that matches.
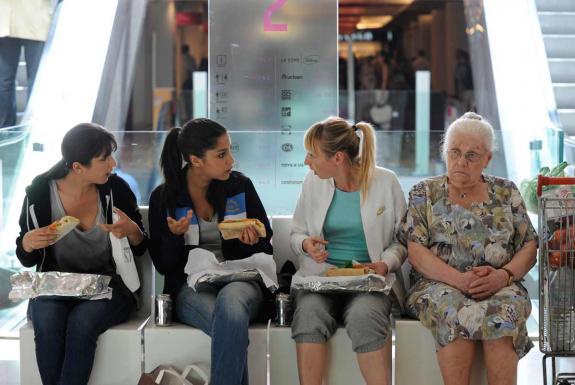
(470, 242)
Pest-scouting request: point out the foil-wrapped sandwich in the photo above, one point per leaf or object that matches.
(351, 284)
(29, 284)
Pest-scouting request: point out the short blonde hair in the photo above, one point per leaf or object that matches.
(337, 134)
(470, 123)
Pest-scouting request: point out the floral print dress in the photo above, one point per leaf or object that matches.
(486, 233)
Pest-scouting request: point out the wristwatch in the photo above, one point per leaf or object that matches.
(511, 278)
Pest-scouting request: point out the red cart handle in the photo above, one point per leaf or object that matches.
(552, 181)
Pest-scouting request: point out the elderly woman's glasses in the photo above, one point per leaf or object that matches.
(470, 156)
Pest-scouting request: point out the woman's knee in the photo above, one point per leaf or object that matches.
(49, 321)
(195, 308)
(84, 329)
(312, 320)
(312, 306)
(239, 302)
(368, 330)
(243, 293)
(368, 311)
(498, 345)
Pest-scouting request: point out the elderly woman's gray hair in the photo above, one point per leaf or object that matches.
(470, 123)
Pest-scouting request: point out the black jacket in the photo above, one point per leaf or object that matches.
(169, 252)
(37, 212)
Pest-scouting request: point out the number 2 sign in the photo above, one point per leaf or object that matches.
(268, 25)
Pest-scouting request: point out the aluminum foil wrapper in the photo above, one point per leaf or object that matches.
(223, 279)
(364, 283)
(29, 284)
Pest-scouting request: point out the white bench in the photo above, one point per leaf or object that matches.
(118, 359)
(181, 345)
(415, 359)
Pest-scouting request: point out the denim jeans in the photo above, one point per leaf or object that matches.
(66, 331)
(223, 314)
(9, 57)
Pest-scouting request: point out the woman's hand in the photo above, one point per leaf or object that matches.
(123, 227)
(39, 239)
(180, 226)
(380, 267)
(464, 281)
(315, 247)
(482, 271)
(249, 236)
(484, 287)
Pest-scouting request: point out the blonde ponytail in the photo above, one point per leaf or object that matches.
(357, 141)
(366, 155)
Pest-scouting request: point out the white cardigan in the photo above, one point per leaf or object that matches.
(381, 214)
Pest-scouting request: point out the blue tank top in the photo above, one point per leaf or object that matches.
(343, 229)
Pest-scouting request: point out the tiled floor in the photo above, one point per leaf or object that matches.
(530, 370)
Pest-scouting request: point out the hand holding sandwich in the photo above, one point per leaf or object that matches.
(180, 226)
(380, 267)
(315, 247)
(249, 236)
(39, 238)
(248, 230)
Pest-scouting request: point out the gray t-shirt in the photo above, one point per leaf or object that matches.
(82, 251)
(210, 237)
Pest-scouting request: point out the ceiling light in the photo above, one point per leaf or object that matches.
(373, 22)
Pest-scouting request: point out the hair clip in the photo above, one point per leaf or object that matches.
(359, 134)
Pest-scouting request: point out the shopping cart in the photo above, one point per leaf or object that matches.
(556, 275)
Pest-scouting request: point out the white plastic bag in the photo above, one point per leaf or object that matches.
(197, 374)
(203, 263)
(125, 265)
(194, 374)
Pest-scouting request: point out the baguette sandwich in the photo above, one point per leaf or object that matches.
(64, 225)
(346, 271)
(232, 228)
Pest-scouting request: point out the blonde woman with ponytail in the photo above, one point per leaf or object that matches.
(348, 209)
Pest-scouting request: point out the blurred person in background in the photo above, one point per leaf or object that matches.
(24, 24)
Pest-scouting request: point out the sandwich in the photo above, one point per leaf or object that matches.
(346, 271)
(64, 225)
(232, 228)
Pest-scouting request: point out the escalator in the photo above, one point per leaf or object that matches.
(557, 19)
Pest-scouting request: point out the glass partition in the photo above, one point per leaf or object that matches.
(13, 140)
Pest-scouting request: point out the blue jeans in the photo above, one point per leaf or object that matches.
(9, 57)
(223, 314)
(66, 331)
